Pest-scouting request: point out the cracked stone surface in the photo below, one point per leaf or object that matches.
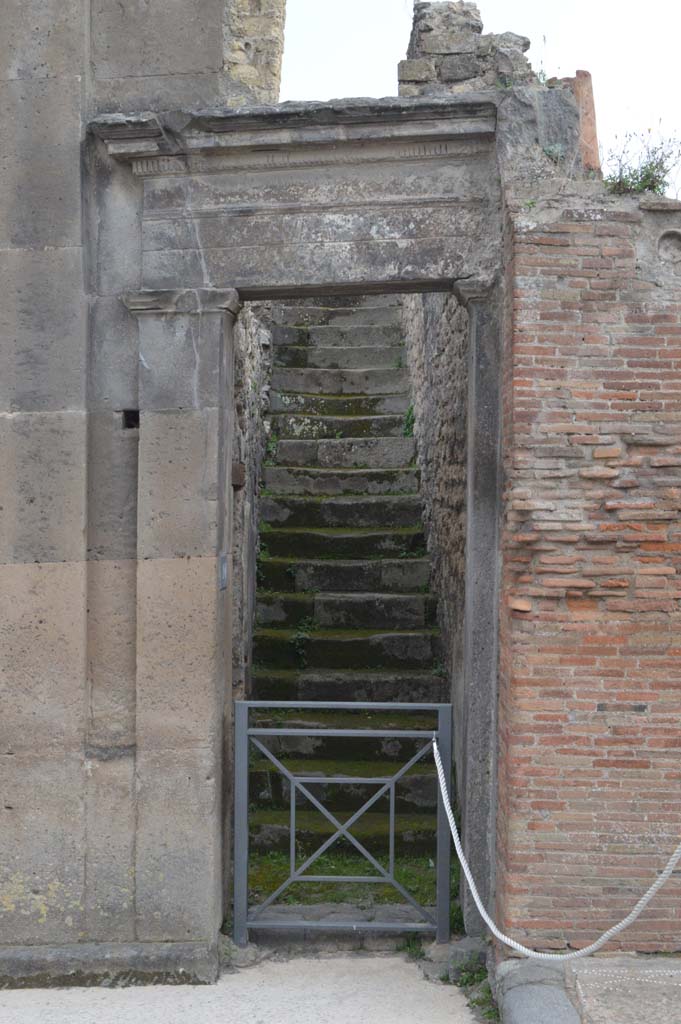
(365, 990)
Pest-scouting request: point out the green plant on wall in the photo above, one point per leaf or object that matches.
(642, 163)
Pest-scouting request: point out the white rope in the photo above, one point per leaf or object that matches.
(588, 950)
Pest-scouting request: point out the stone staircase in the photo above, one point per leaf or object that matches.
(344, 610)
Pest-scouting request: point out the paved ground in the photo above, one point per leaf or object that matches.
(628, 990)
(597, 990)
(338, 990)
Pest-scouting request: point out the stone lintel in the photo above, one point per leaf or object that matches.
(137, 137)
(183, 301)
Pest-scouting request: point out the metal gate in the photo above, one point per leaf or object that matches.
(248, 736)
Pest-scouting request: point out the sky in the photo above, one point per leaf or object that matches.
(339, 48)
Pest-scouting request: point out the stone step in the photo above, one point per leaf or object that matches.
(339, 358)
(346, 611)
(404, 575)
(381, 381)
(356, 511)
(304, 480)
(312, 427)
(305, 316)
(339, 405)
(359, 685)
(339, 542)
(348, 754)
(348, 453)
(416, 791)
(284, 648)
(349, 335)
(269, 830)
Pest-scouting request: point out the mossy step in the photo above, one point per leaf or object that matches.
(383, 575)
(321, 482)
(348, 453)
(306, 316)
(416, 873)
(269, 830)
(351, 511)
(346, 611)
(339, 335)
(323, 718)
(281, 648)
(415, 791)
(340, 357)
(349, 684)
(339, 405)
(347, 749)
(403, 542)
(379, 381)
(290, 425)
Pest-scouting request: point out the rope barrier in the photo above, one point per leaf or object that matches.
(532, 953)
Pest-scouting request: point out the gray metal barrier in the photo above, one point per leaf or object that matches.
(247, 735)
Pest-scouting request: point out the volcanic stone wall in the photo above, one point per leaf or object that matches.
(436, 337)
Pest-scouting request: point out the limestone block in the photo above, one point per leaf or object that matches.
(41, 39)
(116, 204)
(111, 654)
(157, 37)
(110, 816)
(180, 360)
(416, 70)
(444, 28)
(448, 42)
(459, 68)
(178, 500)
(43, 848)
(40, 135)
(179, 651)
(43, 329)
(42, 466)
(42, 660)
(114, 356)
(178, 852)
(169, 92)
(112, 487)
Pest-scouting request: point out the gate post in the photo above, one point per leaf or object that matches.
(444, 844)
(240, 822)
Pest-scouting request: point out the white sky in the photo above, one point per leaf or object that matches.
(351, 48)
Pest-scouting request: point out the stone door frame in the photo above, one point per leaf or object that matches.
(323, 182)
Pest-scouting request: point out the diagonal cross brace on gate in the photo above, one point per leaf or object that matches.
(246, 918)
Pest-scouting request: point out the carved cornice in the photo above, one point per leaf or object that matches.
(183, 300)
(300, 134)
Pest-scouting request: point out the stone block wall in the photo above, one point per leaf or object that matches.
(110, 644)
(590, 685)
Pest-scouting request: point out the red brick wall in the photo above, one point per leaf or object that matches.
(590, 680)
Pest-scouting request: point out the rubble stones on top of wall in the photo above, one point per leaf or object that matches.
(447, 52)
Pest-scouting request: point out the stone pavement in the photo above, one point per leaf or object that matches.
(597, 990)
(332, 990)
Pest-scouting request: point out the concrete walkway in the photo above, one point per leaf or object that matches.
(338, 990)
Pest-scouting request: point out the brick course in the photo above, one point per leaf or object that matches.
(590, 677)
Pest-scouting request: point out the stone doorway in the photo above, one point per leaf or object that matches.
(386, 197)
